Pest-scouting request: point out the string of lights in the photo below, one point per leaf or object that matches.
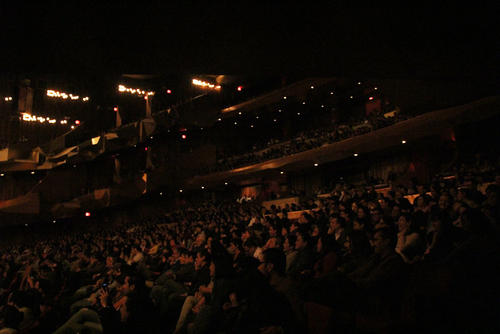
(65, 96)
(205, 84)
(135, 91)
(33, 118)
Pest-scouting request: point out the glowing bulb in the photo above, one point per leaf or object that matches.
(315, 165)
(282, 172)
(169, 91)
(312, 87)
(180, 190)
(370, 98)
(87, 214)
(202, 187)
(284, 97)
(239, 89)
(77, 122)
(355, 154)
(403, 142)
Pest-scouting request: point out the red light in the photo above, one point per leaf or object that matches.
(87, 214)
(183, 136)
(145, 148)
(370, 98)
(115, 109)
(240, 88)
(77, 122)
(169, 91)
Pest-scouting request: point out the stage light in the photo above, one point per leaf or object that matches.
(251, 125)
(359, 83)
(72, 127)
(282, 172)
(180, 190)
(87, 214)
(2, 175)
(322, 106)
(202, 187)
(161, 194)
(169, 91)
(239, 89)
(316, 165)
(53, 222)
(115, 109)
(403, 142)
(375, 88)
(284, 97)
(370, 98)
(331, 93)
(298, 113)
(219, 119)
(183, 136)
(355, 154)
(239, 112)
(145, 148)
(304, 102)
(351, 97)
(77, 122)
(312, 87)
(235, 123)
(32, 173)
(225, 183)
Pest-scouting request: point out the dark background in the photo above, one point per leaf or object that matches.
(446, 40)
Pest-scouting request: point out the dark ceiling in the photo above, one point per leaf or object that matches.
(442, 41)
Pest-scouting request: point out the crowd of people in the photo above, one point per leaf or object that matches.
(356, 260)
(303, 141)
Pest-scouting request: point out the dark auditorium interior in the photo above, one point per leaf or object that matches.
(266, 169)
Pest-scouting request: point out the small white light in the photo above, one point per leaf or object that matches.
(355, 154)
(26, 225)
(403, 142)
(180, 190)
(74, 166)
(359, 83)
(202, 187)
(282, 172)
(239, 112)
(32, 173)
(331, 93)
(72, 127)
(304, 102)
(298, 113)
(312, 87)
(225, 183)
(322, 106)
(279, 110)
(274, 120)
(151, 137)
(251, 125)
(257, 117)
(53, 222)
(235, 123)
(219, 119)
(284, 97)
(161, 194)
(375, 88)
(351, 97)
(2, 175)
(316, 165)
